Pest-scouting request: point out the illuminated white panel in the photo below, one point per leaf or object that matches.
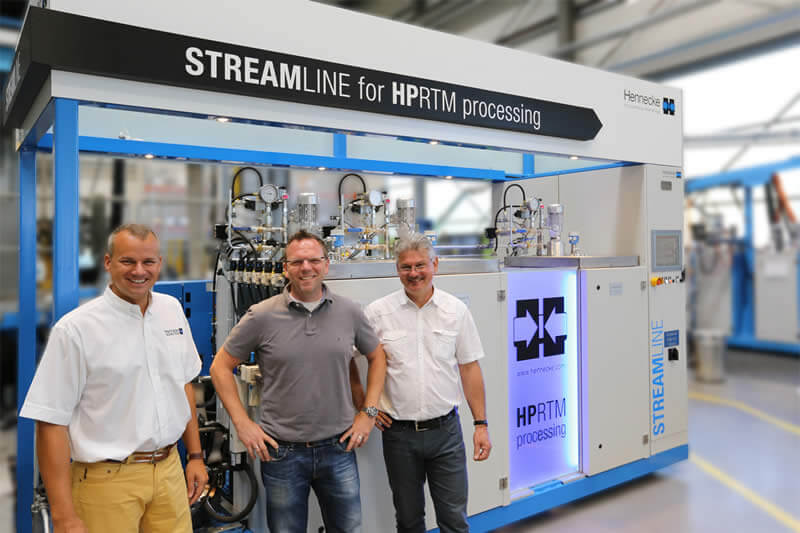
(542, 377)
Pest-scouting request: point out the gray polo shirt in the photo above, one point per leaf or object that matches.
(304, 359)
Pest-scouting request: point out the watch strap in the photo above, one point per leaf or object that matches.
(480, 423)
(197, 455)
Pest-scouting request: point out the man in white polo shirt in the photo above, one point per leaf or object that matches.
(432, 346)
(113, 393)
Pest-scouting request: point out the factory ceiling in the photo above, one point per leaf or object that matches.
(643, 38)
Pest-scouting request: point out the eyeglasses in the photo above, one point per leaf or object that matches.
(406, 269)
(297, 263)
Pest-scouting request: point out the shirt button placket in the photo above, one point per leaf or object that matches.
(152, 370)
(420, 362)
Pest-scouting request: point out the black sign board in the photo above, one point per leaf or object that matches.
(54, 40)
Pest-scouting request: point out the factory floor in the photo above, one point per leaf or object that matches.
(743, 474)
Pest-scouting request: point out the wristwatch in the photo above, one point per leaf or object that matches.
(371, 411)
(481, 423)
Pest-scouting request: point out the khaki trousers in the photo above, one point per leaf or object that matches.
(132, 498)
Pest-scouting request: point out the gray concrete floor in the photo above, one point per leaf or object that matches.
(755, 453)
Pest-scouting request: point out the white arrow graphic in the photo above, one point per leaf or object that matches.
(525, 328)
(556, 324)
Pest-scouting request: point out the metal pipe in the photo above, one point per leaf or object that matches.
(285, 217)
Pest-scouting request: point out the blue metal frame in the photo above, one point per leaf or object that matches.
(26, 334)
(65, 223)
(743, 335)
(533, 174)
(125, 147)
(556, 493)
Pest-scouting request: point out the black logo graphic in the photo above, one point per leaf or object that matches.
(540, 331)
(668, 106)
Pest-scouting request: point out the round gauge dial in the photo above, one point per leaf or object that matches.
(373, 198)
(268, 193)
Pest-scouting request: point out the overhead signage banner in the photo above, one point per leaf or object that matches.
(63, 41)
(542, 377)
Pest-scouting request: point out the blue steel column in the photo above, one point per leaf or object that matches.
(26, 332)
(339, 145)
(65, 225)
(528, 165)
(748, 310)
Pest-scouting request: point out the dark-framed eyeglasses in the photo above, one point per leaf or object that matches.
(297, 263)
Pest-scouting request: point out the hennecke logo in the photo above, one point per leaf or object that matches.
(172, 332)
(668, 106)
(650, 102)
(540, 331)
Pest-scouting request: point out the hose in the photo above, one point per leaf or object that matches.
(497, 215)
(233, 181)
(505, 192)
(363, 183)
(235, 517)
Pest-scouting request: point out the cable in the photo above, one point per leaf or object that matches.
(495, 221)
(233, 181)
(233, 302)
(248, 241)
(242, 195)
(363, 183)
(505, 192)
(772, 213)
(219, 482)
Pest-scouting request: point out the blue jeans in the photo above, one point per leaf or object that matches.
(438, 455)
(327, 468)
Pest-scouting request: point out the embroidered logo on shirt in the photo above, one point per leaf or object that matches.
(175, 331)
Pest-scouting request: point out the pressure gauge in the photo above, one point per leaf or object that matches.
(373, 198)
(269, 193)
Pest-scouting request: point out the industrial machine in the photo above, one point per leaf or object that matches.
(568, 337)
(580, 310)
(746, 292)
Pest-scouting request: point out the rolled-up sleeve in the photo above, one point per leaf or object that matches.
(59, 380)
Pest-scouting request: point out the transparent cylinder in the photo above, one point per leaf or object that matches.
(406, 216)
(555, 221)
(307, 210)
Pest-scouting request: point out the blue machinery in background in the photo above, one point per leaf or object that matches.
(66, 144)
(743, 264)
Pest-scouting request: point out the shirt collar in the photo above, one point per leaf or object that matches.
(327, 296)
(122, 305)
(434, 300)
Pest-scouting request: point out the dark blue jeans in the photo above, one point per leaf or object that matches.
(328, 469)
(438, 455)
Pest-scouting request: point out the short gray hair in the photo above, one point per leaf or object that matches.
(140, 231)
(414, 242)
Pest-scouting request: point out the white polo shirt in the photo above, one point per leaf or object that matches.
(424, 347)
(116, 377)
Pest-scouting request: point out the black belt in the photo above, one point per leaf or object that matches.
(424, 425)
(312, 443)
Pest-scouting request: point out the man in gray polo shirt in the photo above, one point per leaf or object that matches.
(308, 427)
